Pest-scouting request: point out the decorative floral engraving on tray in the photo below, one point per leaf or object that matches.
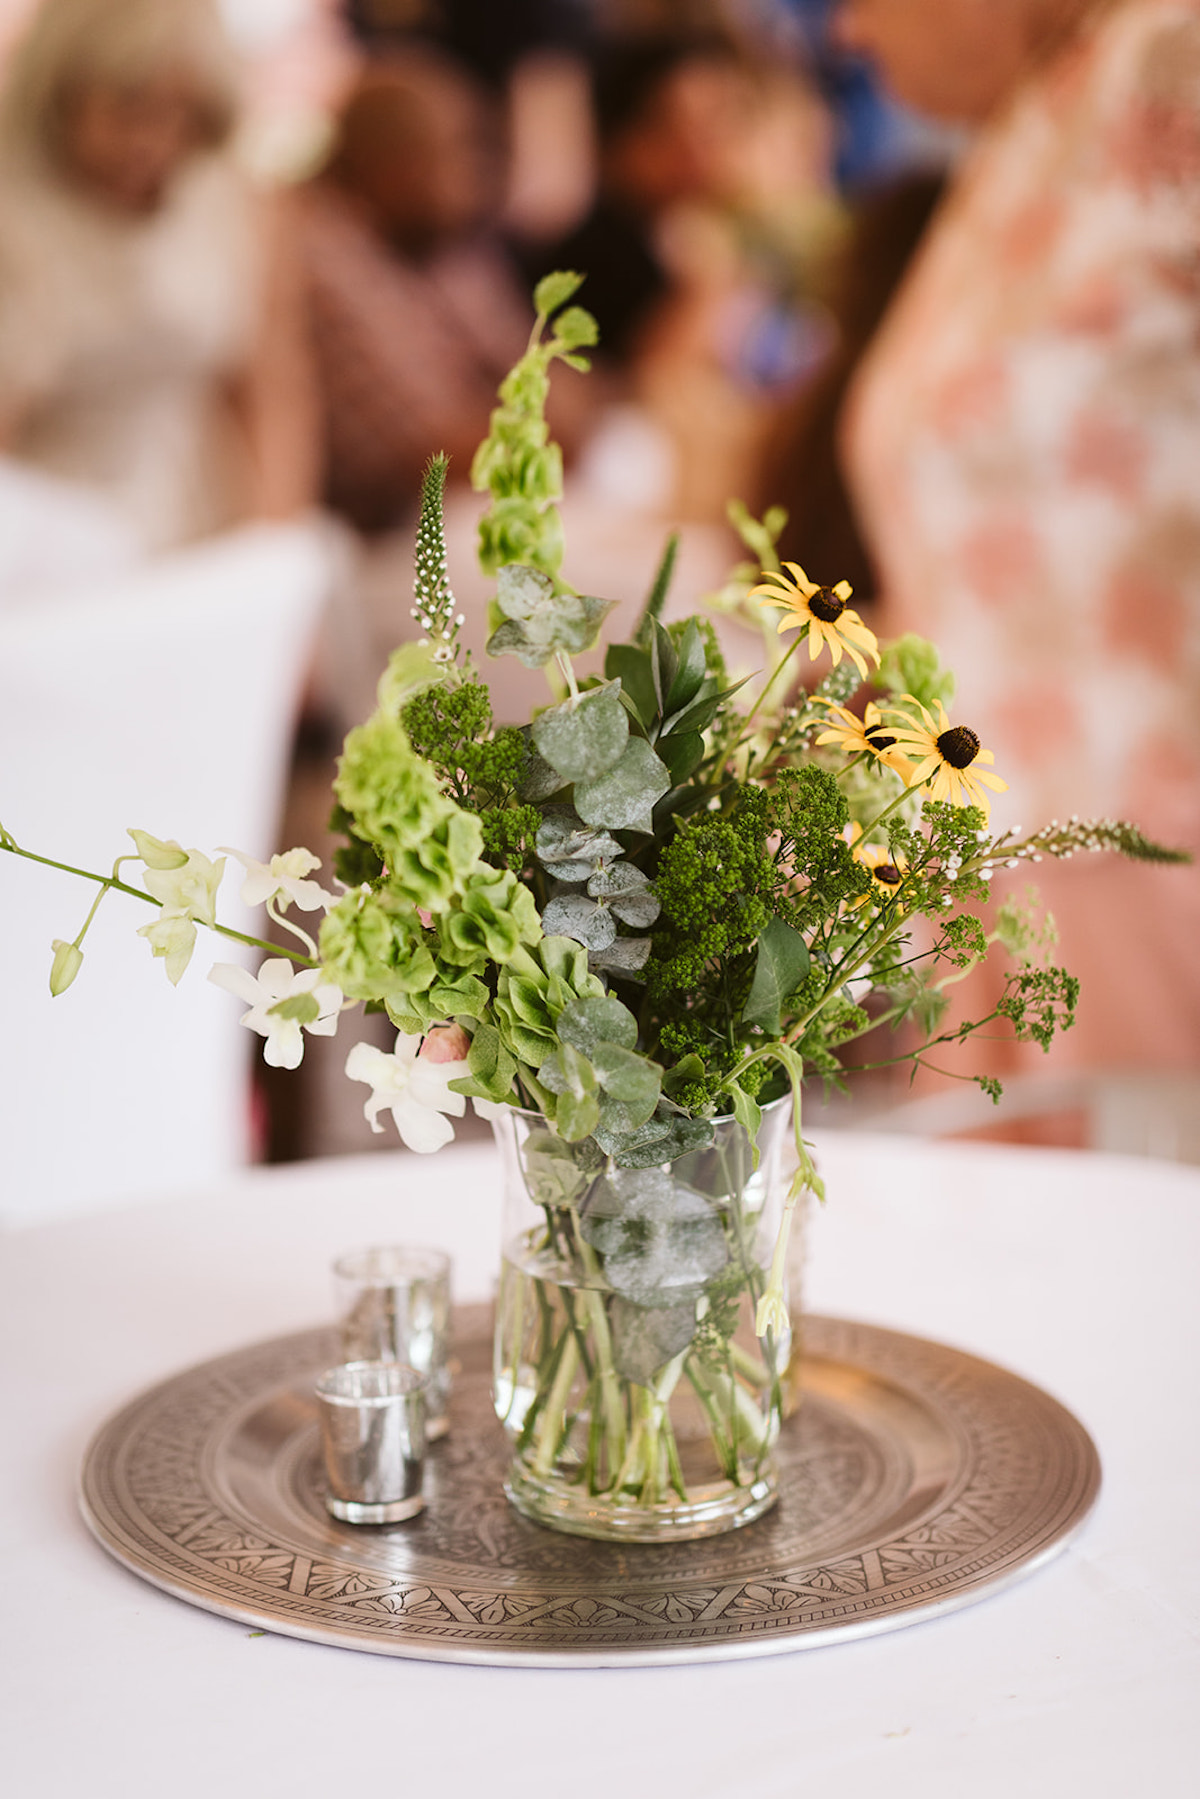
(916, 1478)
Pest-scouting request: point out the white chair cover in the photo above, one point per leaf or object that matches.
(164, 701)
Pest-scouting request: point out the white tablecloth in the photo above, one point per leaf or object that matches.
(1077, 1271)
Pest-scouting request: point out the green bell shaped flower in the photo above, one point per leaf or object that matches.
(374, 947)
(536, 985)
(495, 916)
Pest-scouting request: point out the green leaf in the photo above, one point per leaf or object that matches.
(586, 1023)
(623, 799)
(656, 599)
(664, 663)
(583, 741)
(689, 1069)
(624, 662)
(748, 1113)
(691, 670)
(682, 752)
(576, 329)
(783, 962)
(554, 290)
(302, 1007)
(700, 714)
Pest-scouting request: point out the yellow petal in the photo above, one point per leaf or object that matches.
(992, 781)
(842, 591)
(801, 579)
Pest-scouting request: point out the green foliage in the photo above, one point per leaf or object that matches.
(714, 883)
(1040, 1002)
(540, 621)
(809, 810)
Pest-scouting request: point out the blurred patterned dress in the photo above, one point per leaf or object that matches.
(1024, 444)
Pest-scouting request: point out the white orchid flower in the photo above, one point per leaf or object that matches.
(189, 886)
(172, 935)
(415, 1089)
(285, 1001)
(282, 880)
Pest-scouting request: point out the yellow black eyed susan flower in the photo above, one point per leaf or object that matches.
(886, 870)
(822, 612)
(868, 734)
(947, 756)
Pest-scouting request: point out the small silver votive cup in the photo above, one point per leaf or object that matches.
(394, 1306)
(373, 1439)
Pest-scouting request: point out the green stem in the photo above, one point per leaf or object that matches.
(800, 638)
(110, 883)
(553, 1419)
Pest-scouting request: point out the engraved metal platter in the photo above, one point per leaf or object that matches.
(914, 1479)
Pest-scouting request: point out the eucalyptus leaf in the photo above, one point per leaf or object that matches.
(646, 1338)
(782, 963)
(617, 881)
(586, 1023)
(623, 799)
(631, 1087)
(574, 915)
(511, 639)
(659, 1141)
(576, 1117)
(627, 956)
(660, 1240)
(541, 781)
(637, 909)
(520, 591)
(584, 741)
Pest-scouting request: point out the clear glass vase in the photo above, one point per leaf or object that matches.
(638, 1401)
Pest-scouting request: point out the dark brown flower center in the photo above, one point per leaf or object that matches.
(825, 605)
(878, 738)
(958, 746)
(888, 873)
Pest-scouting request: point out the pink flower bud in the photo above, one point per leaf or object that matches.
(426, 919)
(445, 1043)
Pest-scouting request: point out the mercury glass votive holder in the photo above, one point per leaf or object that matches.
(373, 1441)
(393, 1305)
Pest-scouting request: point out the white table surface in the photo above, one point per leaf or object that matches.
(1084, 1679)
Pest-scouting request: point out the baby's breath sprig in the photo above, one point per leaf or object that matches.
(1086, 834)
(436, 608)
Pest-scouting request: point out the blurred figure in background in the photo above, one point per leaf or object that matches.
(416, 314)
(151, 339)
(714, 208)
(1024, 441)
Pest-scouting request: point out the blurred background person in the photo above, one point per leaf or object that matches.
(151, 338)
(1023, 441)
(416, 313)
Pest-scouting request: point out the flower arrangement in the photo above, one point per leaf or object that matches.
(637, 923)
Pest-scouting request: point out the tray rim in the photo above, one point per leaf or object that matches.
(1015, 1566)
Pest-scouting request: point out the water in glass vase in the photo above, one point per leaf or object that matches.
(638, 1402)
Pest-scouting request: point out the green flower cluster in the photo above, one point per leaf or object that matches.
(517, 463)
(714, 883)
